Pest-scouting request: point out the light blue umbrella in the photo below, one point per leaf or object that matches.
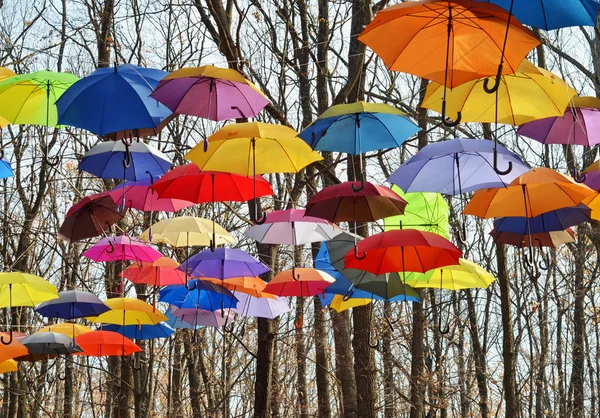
(6, 169)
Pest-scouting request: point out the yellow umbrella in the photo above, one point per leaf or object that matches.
(338, 303)
(5, 73)
(8, 366)
(529, 94)
(186, 231)
(129, 311)
(466, 275)
(22, 289)
(66, 328)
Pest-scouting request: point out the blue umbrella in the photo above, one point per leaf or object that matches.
(178, 323)
(556, 220)
(113, 99)
(124, 161)
(203, 295)
(141, 332)
(552, 14)
(72, 304)
(6, 169)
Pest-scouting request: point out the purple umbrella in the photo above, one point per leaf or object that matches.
(223, 263)
(580, 125)
(198, 317)
(457, 166)
(122, 248)
(264, 307)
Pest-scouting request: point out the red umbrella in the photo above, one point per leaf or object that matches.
(105, 343)
(343, 203)
(402, 250)
(161, 272)
(187, 182)
(89, 218)
(140, 195)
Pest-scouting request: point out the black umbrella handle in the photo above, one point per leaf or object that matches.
(10, 338)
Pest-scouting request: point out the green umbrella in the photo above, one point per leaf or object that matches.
(425, 212)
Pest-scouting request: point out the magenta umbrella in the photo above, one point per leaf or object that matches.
(140, 195)
(201, 317)
(122, 248)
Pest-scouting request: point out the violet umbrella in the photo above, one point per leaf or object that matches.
(223, 263)
(121, 248)
(140, 195)
(200, 317)
(89, 218)
(261, 307)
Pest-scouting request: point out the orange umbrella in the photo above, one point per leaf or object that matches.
(537, 191)
(253, 286)
(105, 343)
(14, 349)
(8, 366)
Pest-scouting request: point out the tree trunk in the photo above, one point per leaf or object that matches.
(578, 350)
(364, 362)
(389, 393)
(344, 370)
(479, 354)
(301, 360)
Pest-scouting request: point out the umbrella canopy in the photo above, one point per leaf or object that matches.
(421, 46)
(552, 14)
(142, 332)
(201, 317)
(160, 272)
(6, 169)
(175, 322)
(542, 239)
(204, 295)
(261, 307)
(424, 211)
(292, 227)
(465, 275)
(580, 125)
(538, 191)
(121, 248)
(187, 231)
(105, 343)
(4, 74)
(140, 195)
(253, 286)
(359, 127)
(340, 304)
(301, 282)
(403, 250)
(529, 94)
(113, 99)
(188, 182)
(389, 287)
(89, 218)
(72, 304)
(22, 289)
(29, 99)
(69, 329)
(12, 349)
(8, 366)
(223, 263)
(124, 161)
(457, 166)
(591, 175)
(556, 220)
(129, 311)
(210, 92)
(341, 203)
(50, 344)
(253, 148)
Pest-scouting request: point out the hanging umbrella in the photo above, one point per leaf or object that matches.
(121, 248)
(223, 263)
(556, 220)
(200, 295)
(89, 218)
(389, 287)
(175, 322)
(72, 304)
(304, 282)
(345, 203)
(251, 306)
(105, 343)
(118, 160)
(465, 275)
(253, 286)
(113, 99)
(44, 345)
(529, 94)
(186, 231)
(12, 349)
(235, 147)
(4, 74)
(542, 239)
(8, 366)
(580, 125)
(129, 311)
(424, 211)
(458, 166)
(340, 304)
(210, 92)
(69, 329)
(200, 317)
(140, 195)
(142, 332)
(160, 272)
(591, 176)
(5, 168)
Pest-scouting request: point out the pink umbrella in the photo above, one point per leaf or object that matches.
(140, 195)
(122, 248)
(161, 272)
(301, 282)
(201, 317)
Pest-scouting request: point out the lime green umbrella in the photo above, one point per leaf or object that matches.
(425, 212)
(29, 98)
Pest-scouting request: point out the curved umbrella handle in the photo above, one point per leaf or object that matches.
(212, 244)
(228, 328)
(446, 121)
(111, 248)
(51, 161)
(362, 184)
(127, 157)
(494, 88)
(259, 221)
(373, 346)
(296, 278)
(356, 254)
(441, 329)
(579, 178)
(127, 140)
(496, 169)
(136, 365)
(10, 338)
(191, 288)
(62, 376)
(462, 234)
(299, 323)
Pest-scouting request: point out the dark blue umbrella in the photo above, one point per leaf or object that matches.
(141, 332)
(203, 295)
(6, 169)
(556, 220)
(223, 263)
(113, 99)
(72, 304)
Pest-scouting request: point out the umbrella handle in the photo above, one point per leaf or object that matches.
(494, 88)
(441, 329)
(111, 248)
(348, 295)
(296, 278)
(136, 366)
(212, 245)
(579, 178)
(10, 338)
(356, 254)
(228, 328)
(51, 161)
(259, 221)
(534, 273)
(1, 153)
(127, 157)
(462, 234)
(205, 145)
(373, 346)
(299, 323)
(362, 184)
(243, 331)
(191, 288)
(446, 121)
(49, 379)
(496, 169)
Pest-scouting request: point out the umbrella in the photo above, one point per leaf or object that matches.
(458, 166)
(389, 287)
(201, 317)
(140, 195)
(160, 272)
(175, 322)
(210, 92)
(105, 343)
(465, 275)
(12, 349)
(69, 329)
(90, 217)
(72, 304)
(49, 344)
(142, 332)
(529, 94)
(542, 239)
(538, 191)
(556, 220)
(121, 248)
(4, 74)
(8, 366)
(201, 294)
(591, 176)
(292, 227)
(129, 311)
(344, 202)
(5, 168)
(303, 282)
(339, 303)
(580, 125)
(424, 211)
(113, 99)
(402, 250)
(188, 182)
(253, 148)
(261, 307)
(224, 263)
(118, 160)
(253, 286)
(186, 231)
